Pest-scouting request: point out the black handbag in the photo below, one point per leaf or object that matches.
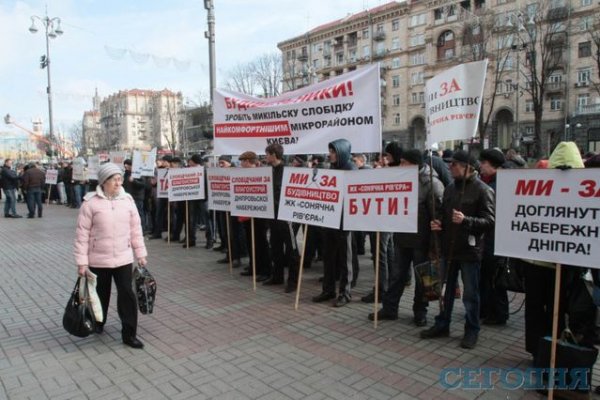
(79, 319)
(510, 276)
(427, 274)
(145, 287)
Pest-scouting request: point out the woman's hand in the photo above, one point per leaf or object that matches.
(142, 261)
(82, 270)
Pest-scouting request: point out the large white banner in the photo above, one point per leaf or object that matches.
(312, 196)
(162, 183)
(305, 120)
(118, 157)
(453, 101)
(382, 199)
(186, 183)
(219, 195)
(252, 192)
(51, 176)
(93, 165)
(79, 169)
(549, 215)
(143, 163)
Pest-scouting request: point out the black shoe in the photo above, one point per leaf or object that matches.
(16, 216)
(342, 300)
(262, 278)
(469, 340)
(435, 332)
(30, 216)
(209, 245)
(324, 296)
(134, 342)
(7, 216)
(181, 240)
(220, 248)
(99, 328)
(420, 321)
(290, 287)
(223, 261)
(494, 321)
(192, 244)
(236, 263)
(273, 281)
(39, 215)
(370, 298)
(383, 316)
(246, 273)
(154, 237)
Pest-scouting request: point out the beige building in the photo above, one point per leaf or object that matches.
(414, 40)
(134, 119)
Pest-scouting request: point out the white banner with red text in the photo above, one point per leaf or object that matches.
(51, 176)
(382, 199)
(453, 102)
(549, 215)
(305, 120)
(162, 183)
(251, 192)
(118, 157)
(186, 184)
(219, 195)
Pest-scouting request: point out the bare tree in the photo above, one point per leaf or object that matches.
(261, 76)
(241, 79)
(591, 27)
(76, 137)
(174, 117)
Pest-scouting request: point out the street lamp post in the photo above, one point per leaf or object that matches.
(52, 30)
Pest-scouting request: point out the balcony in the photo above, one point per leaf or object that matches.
(588, 109)
(303, 57)
(582, 84)
(557, 13)
(379, 36)
(554, 87)
(378, 54)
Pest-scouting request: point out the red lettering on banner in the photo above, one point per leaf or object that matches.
(217, 186)
(253, 129)
(253, 189)
(376, 206)
(298, 179)
(328, 181)
(534, 187)
(330, 196)
(381, 187)
(185, 181)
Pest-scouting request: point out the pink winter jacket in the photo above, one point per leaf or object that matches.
(108, 231)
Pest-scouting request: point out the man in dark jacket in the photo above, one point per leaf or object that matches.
(34, 180)
(467, 213)
(136, 187)
(10, 183)
(337, 255)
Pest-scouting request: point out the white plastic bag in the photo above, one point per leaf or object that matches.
(94, 299)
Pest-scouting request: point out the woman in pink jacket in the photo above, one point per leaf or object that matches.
(109, 233)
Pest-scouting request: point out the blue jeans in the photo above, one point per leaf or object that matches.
(34, 199)
(78, 195)
(10, 202)
(470, 273)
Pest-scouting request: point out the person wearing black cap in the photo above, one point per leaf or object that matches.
(467, 213)
(392, 153)
(136, 187)
(494, 300)
(299, 160)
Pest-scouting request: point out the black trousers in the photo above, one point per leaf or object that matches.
(284, 250)
(126, 300)
(337, 260)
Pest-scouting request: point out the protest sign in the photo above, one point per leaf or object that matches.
(346, 106)
(219, 196)
(93, 165)
(143, 163)
(453, 101)
(186, 184)
(382, 200)
(549, 215)
(162, 183)
(312, 196)
(79, 169)
(251, 192)
(118, 157)
(51, 176)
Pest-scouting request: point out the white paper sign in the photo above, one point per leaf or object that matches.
(312, 196)
(382, 199)
(51, 176)
(143, 163)
(118, 157)
(79, 169)
(186, 183)
(219, 195)
(93, 165)
(301, 121)
(252, 192)
(549, 215)
(162, 183)
(453, 102)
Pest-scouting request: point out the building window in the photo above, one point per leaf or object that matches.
(339, 58)
(395, 24)
(316, 64)
(417, 58)
(396, 62)
(529, 106)
(582, 101)
(585, 49)
(555, 103)
(419, 19)
(395, 43)
(396, 81)
(365, 33)
(445, 45)
(417, 40)
(397, 119)
(396, 100)
(416, 78)
(438, 14)
(417, 97)
(380, 28)
(366, 51)
(584, 76)
(529, 131)
(586, 23)
(585, 3)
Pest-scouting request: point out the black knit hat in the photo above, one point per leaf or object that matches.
(464, 157)
(395, 151)
(167, 158)
(302, 158)
(197, 159)
(413, 156)
(493, 156)
(225, 158)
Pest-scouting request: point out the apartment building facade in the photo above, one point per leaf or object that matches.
(415, 40)
(134, 119)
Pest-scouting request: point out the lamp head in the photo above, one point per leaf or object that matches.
(33, 28)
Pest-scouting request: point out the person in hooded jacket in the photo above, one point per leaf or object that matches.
(337, 255)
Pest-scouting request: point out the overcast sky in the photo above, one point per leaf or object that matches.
(146, 44)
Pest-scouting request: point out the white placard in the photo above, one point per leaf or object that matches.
(93, 165)
(312, 196)
(219, 195)
(345, 106)
(252, 192)
(162, 183)
(186, 183)
(549, 215)
(118, 157)
(453, 102)
(143, 163)
(51, 176)
(79, 169)
(382, 199)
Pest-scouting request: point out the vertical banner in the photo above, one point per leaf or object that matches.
(79, 169)
(93, 165)
(118, 157)
(382, 199)
(219, 195)
(186, 184)
(251, 192)
(143, 163)
(301, 121)
(312, 196)
(453, 102)
(162, 183)
(51, 176)
(549, 215)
